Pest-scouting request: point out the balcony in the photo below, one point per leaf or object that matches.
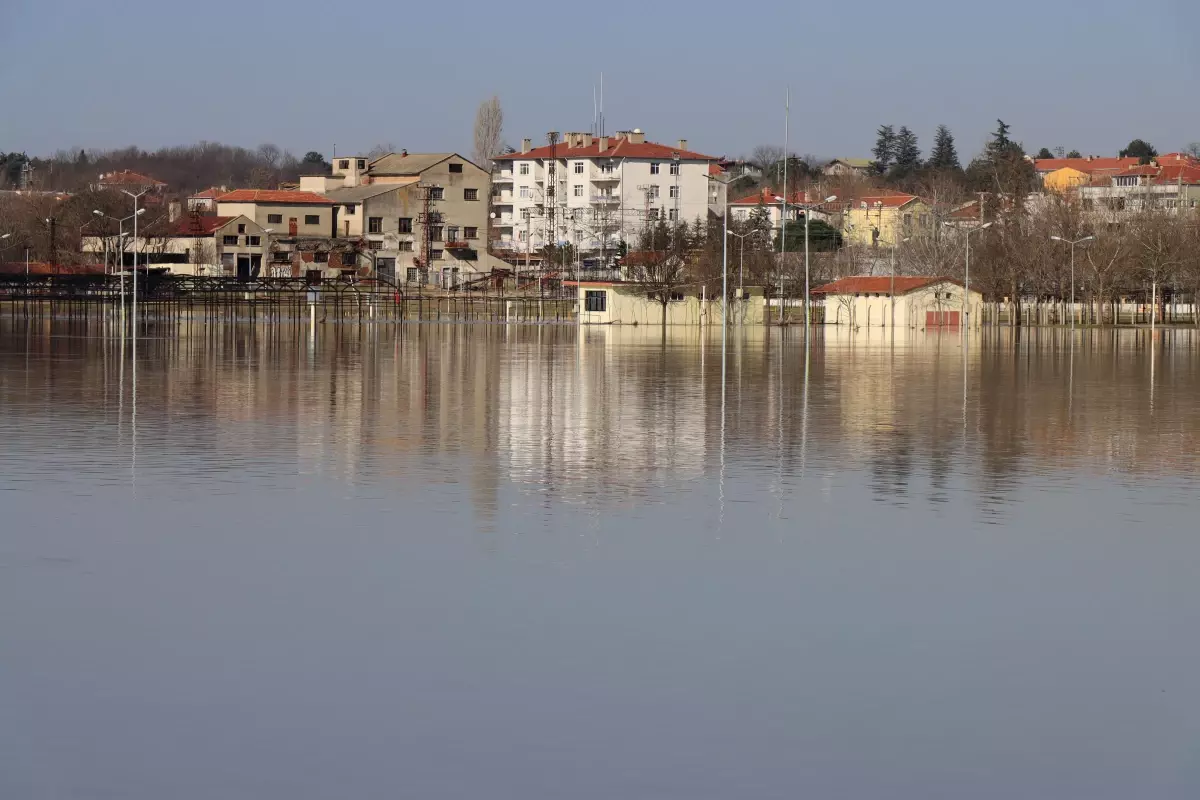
(600, 176)
(502, 177)
(605, 200)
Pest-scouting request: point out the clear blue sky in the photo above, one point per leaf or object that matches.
(1085, 74)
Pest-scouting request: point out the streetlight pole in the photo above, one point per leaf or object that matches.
(135, 197)
(120, 246)
(967, 272)
(1072, 245)
(724, 281)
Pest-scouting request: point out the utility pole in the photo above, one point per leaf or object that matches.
(787, 110)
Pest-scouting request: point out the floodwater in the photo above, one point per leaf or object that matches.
(524, 562)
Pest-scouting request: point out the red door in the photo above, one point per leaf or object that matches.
(941, 319)
(292, 226)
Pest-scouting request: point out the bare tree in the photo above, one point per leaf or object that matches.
(380, 150)
(766, 158)
(489, 128)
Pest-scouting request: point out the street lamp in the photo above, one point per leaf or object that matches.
(741, 257)
(892, 282)
(967, 271)
(1072, 244)
(120, 245)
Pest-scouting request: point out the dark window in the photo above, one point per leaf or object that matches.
(415, 275)
(456, 167)
(437, 193)
(321, 258)
(375, 244)
(471, 233)
(362, 164)
(437, 254)
(312, 219)
(595, 300)
(274, 219)
(344, 164)
(435, 233)
(406, 224)
(230, 240)
(452, 233)
(241, 228)
(282, 255)
(350, 259)
(470, 194)
(253, 241)
(374, 224)
(405, 247)
(350, 210)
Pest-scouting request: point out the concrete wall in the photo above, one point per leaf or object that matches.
(629, 305)
(874, 310)
(858, 222)
(260, 212)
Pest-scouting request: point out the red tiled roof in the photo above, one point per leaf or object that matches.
(274, 196)
(1084, 164)
(767, 197)
(617, 148)
(878, 285)
(198, 226)
(128, 178)
(883, 201)
(210, 193)
(967, 212)
(715, 169)
(1179, 173)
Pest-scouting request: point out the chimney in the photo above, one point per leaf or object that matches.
(526, 145)
(603, 143)
(637, 136)
(683, 144)
(404, 153)
(622, 135)
(174, 211)
(587, 140)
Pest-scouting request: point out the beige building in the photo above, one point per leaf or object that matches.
(888, 218)
(422, 216)
(194, 245)
(618, 303)
(289, 214)
(920, 302)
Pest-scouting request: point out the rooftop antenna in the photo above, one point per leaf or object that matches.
(601, 103)
(595, 113)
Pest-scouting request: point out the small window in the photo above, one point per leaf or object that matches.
(437, 192)
(274, 219)
(350, 210)
(470, 194)
(471, 233)
(578, 190)
(362, 164)
(229, 241)
(253, 241)
(675, 168)
(578, 167)
(524, 169)
(525, 194)
(456, 167)
(312, 219)
(321, 258)
(676, 297)
(344, 164)
(241, 228)
(452, 233)
(374, 244)
(405, 224)
(350, 259)
(374, 224)
(595, 300)
(405, 247)
(653, 168)
(436, 255)
(414, 275)
(654, 191)
(674, 191)
(436, 233)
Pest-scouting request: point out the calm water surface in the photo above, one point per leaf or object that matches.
(455, 562)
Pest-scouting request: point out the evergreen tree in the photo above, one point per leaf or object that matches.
(944, 155)
(1044, 153)
(885, 148)
(1141, 150)
(1001, 144)
(822, 237)
(908, 154)
(1074, 154)
(315, 161)
(81, 160)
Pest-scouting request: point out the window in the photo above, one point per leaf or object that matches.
(523, 169)
(595, 300)
(470, 194)
(375, 244)
(578, 167)
(436, 255)
(675, 168)
(241, 228)
(456, 167)
(578, 190)
(405, 224)
(374, 224)
(253, 241)
(350, 258)
(452, 233)
(349, 210)
(608, 168)
(671, 214)
(344, 164)
(362, 164)
(525, 194)
(415, 275)
(471, 233)
(654, 191)
(437, 192)
(312, 219)
(676, 297)
(386, 267)
(405, 247)
(229, 241)
(674, 191)
(274, 219)
(653, 168)
(321, 258)
(435, 233)
(228, 260)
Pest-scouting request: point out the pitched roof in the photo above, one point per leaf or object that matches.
(856, 163)
(883, 201)
(879, 284)
(198, 226)
(406, 163)
(274, 196)
(128, 178)
(768, 197)
(212, 192)
(1089, 164)
(617, 148)
(356, 194)
(715, 169)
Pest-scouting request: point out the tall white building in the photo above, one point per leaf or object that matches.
(605, 189)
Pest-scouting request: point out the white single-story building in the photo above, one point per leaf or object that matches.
(920, 302)
(629, 303)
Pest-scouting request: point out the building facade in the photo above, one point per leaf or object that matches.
(886, 219)
(920, 302)
(594, 192)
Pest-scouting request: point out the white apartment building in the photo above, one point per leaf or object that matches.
(606, 189)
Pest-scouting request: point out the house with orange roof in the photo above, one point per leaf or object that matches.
(902, 301)
(743, 209)
(885, 219)
(1173, 185)
(595, 191)
(128, 180)
(1061, 174)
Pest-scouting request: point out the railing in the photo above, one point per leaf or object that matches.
(605, 199)
(601, 175)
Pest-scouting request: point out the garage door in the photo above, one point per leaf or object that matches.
(941, 319)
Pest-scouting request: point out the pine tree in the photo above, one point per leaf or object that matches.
(1074, 154)
(885, 148)
(1001, 145)
(1044, 153)
(908, 153)
(944, 155)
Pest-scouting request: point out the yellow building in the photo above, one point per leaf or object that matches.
(886, 219)
(618, 303)
(1060, 180)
